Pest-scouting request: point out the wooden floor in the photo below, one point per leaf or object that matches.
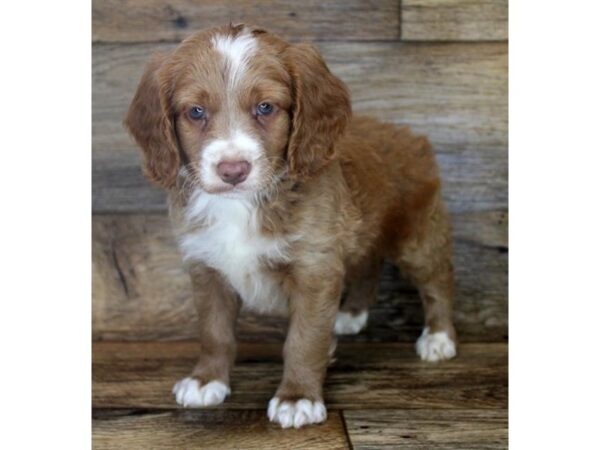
(379, 395)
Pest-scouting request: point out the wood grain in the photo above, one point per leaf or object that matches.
(455, 93)
(427, 429)
(209, 429)
(455, 20)
(141, 292)
(173, 20)
(365, 376)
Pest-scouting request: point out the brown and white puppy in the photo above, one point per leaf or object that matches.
(279, 199)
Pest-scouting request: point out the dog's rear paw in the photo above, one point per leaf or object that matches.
(296, 414)
(435, 347)
(190, 394)
(348, 323)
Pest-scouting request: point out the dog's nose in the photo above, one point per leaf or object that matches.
(233, 172)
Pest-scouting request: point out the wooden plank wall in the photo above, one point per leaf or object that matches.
(437, 65)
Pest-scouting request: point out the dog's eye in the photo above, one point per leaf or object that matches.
(197, 113)
(264, 109)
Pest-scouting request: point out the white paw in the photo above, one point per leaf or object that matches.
(436, 346)
(296, 414)
(188, 393)
(347, 323)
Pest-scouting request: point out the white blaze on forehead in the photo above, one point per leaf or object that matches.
(237, 52)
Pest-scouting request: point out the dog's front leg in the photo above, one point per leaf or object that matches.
(314, 303)
(217, 306)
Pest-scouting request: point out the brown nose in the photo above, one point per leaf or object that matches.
(233, 172)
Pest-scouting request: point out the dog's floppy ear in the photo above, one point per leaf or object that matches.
(321, 108)
(150, 121)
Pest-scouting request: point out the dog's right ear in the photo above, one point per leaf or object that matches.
(150, 122)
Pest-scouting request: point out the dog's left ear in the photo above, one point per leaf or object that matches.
(320, 110)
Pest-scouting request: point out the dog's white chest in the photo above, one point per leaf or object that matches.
(232, 243)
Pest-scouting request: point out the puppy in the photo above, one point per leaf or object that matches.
(280, 200)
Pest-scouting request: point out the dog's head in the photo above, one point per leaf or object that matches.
(239, 108)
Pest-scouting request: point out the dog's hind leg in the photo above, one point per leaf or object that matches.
(361, 293)
(425, 258)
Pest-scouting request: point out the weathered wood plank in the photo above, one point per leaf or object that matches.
(209, 429)
(141, 292)
(364, 376)
(157, 20)
(454, 20)
(473, 180)
(427, 429)
(455, 93)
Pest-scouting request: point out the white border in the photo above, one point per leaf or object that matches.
(554, 224)
(45, 184)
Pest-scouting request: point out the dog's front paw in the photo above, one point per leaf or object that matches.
(436, 346)
(296, 414)
(189, 393)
